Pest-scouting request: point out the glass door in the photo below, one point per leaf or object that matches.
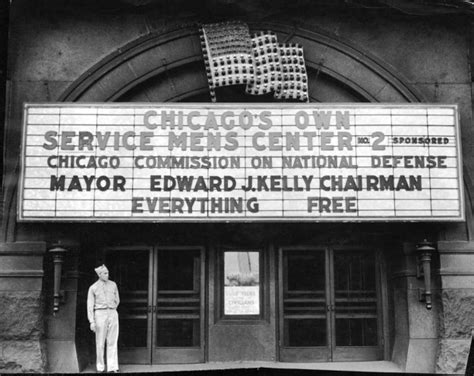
(161, 312)
(178, 305)
(356, 306)
(130, 269)
(330, 305)
(305, 317)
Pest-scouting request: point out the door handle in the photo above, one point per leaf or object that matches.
(330, 307)
(149, 309)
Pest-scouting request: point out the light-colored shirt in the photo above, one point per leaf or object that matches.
(102, 295)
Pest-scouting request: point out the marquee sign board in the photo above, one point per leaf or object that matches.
(240, 162)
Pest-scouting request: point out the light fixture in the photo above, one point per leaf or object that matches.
(425, 251)
(58, 254)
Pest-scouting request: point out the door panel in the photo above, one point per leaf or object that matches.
(130, 268)
(355, 302)
(305, 318)
(179, 309)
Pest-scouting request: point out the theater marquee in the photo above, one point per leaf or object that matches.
(240, 162)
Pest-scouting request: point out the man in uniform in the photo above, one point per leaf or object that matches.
(102, 302)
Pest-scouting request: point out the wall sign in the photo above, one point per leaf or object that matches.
(240, 162)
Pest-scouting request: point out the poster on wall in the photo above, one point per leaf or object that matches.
(241, 283)
(241, 300)
(240, 162)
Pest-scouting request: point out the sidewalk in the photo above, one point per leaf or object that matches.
(378, 366)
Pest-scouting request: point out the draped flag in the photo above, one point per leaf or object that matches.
(232, 57)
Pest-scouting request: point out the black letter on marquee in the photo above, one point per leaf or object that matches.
(57, 184)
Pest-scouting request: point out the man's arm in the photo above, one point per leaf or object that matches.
(90, 305)
(117, 297)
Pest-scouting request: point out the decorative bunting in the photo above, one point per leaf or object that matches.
(232, 57)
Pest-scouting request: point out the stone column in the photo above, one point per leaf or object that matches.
(457, 305)
(21, 302)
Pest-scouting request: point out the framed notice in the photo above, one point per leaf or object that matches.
(241, 283)
(167, 162)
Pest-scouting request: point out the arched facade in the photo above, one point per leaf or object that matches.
(165, 64)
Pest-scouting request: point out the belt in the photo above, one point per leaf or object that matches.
(100, 309)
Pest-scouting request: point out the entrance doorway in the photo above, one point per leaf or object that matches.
(330, 305)
(161, 313)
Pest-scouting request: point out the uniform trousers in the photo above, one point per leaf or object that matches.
(106, 332)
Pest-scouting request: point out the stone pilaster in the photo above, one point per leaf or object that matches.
(457, 305)
(21, 315)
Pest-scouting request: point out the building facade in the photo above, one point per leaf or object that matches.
(173, 275)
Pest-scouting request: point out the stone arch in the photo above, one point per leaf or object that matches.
(166, 56)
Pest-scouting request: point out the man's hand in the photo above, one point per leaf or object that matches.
(93, 326)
